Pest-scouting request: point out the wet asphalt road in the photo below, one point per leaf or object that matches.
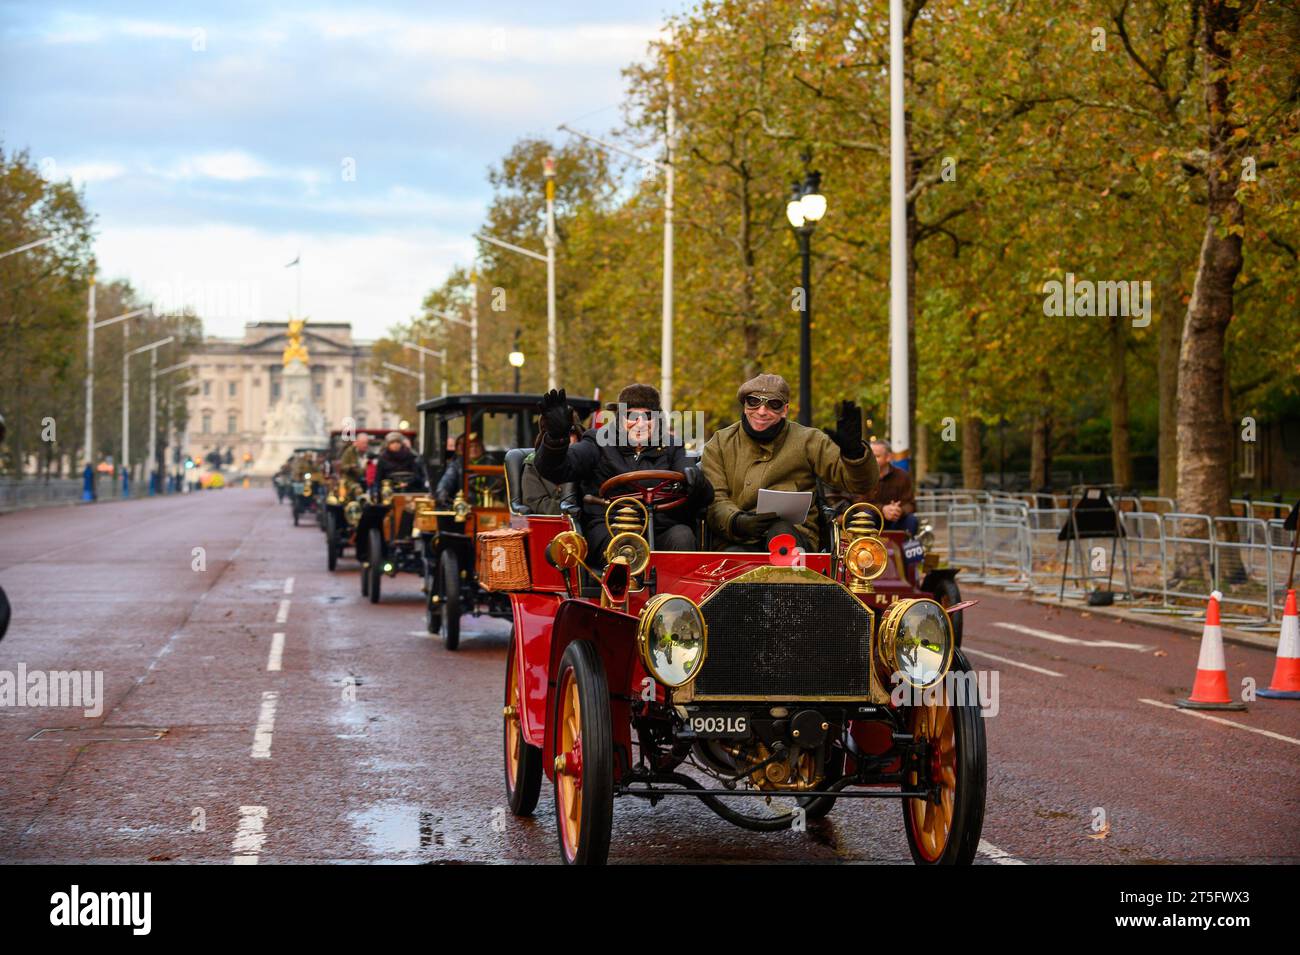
(373, 744)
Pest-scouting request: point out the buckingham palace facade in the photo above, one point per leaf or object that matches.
(236, 382)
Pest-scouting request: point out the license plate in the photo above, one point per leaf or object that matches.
(719, 725)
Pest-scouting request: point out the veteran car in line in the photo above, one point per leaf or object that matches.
(765, 685)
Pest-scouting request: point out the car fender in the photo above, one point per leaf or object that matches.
(533, 615)
(614, 635)
(938, 574)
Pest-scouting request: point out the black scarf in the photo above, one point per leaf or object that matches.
(762, 437)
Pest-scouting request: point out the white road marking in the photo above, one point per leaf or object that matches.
(1219, 719)
(1062, 638)
(265, 726)
(1000, 856)
(283, 615)
(251, 835)
(288, 586)
(277, 651)
(1014, 663)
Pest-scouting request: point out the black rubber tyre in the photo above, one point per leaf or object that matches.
(946, 591)
(449, 574)
(965, 756)
(524, 777)
(331, 545)
(584, 806)
(432, 597)
(375, 551)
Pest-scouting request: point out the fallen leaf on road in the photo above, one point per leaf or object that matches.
(1101, 833)
(1160, 653)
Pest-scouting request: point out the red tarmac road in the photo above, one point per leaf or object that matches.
(372, 743)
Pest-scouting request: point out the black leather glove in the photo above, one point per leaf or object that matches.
(747, 525)
(555, 416)
(848, 431)
(699, 491)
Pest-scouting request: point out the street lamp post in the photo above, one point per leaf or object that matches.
(91, 325)
(666, 166)
(473, 338)
(126, 407)
(900, 417)
(442, 354)
(517, 360)
(154, 374)
(549, 259)
(549, 169)
(418, 376)
(804, 210)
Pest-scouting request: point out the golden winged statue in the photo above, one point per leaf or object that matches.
(295, 349)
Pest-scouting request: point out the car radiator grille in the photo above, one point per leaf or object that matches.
(785, 640)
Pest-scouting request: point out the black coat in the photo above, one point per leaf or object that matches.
(590, 464)
(404, 460)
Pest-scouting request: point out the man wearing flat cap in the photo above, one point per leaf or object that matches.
(767, 450)
(636, 440)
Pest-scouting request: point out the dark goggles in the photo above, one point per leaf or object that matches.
(753, 401)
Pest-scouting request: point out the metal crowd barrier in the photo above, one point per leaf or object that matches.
(1169, 563)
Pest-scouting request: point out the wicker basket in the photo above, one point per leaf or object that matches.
(503, 559)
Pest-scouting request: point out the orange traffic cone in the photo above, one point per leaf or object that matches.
(1286, 675)
(1210, 691)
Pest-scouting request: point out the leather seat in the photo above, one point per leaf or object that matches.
(570, 496)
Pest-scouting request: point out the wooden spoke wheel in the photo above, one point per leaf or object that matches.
(944, 828)
(523, 762)
(584, 760)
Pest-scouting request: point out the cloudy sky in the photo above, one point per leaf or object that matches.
(216, 141)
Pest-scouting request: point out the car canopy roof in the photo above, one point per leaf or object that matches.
(584, 406)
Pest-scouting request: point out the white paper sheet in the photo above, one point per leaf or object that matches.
(790, 505)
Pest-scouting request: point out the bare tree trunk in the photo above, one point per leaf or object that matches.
(972, 453)
(1169, 334)
(1121, 461)
(1204, 442)
(1204, 445)
(1040, 452)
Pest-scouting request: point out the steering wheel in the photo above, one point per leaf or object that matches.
(666, 493)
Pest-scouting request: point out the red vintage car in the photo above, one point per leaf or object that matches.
(767, 685)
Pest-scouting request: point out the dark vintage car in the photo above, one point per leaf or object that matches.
(307, 487)
(478, 501)
(345, 498)
(767, 685)
(390, 531)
